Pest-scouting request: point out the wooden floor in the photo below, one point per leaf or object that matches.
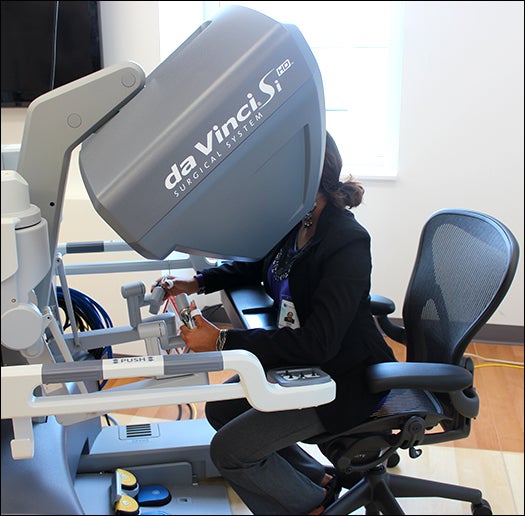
(490, 459)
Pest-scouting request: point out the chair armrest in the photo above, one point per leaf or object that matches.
(418, 375)
(381, 307)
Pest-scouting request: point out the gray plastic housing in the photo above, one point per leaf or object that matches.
(220, 154)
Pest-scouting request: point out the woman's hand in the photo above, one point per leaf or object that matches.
(203, 337)
(174, 286)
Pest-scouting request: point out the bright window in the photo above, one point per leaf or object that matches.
(357, 45)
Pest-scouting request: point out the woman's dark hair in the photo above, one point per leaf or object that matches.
(343, 194)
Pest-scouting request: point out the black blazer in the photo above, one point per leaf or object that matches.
(330, 286)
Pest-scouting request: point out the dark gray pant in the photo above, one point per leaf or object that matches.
(257, 453)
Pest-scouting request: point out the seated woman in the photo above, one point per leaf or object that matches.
(319, 276)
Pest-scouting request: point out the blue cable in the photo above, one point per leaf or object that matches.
(89, 315)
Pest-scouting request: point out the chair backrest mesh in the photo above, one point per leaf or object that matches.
(464, 267)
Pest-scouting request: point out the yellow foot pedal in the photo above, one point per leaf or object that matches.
(128, 482)
(127, 505)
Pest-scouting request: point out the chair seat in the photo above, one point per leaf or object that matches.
(399, 406)
(400, 422)
(403, 403)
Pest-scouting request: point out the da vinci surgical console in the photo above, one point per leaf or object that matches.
(229, 127)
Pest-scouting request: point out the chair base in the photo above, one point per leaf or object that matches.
(378, 490)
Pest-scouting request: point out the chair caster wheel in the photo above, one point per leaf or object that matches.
(481, 509)
(393, 460)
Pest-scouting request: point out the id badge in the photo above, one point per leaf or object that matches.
(288, 315)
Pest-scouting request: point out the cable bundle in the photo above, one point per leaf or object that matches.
(89, 315)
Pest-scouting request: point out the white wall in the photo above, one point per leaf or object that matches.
(461, 138)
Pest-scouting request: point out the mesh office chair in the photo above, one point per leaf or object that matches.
(464, 267)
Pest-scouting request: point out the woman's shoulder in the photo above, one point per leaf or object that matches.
(342, 233)
(338, 221)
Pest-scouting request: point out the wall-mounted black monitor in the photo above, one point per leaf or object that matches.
(46, 45)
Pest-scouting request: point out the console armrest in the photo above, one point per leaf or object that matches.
(249, 307)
